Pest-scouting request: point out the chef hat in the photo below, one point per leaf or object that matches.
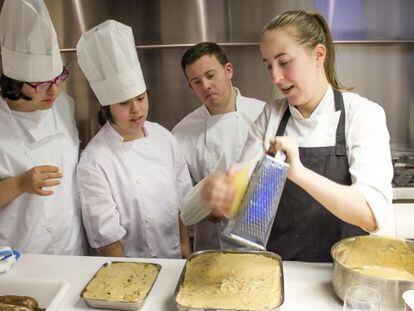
(29, 47)
(108, 57)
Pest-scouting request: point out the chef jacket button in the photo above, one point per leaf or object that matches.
(27, 152)
(50, 229)
(137, 181)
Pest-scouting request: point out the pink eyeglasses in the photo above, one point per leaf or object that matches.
(41, 87)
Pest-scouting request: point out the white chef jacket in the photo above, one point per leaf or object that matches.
(132, 191)
(367, 142)
(33, 223)
(204, 138)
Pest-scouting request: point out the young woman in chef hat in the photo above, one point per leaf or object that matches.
(336, 142)
(132, 177)
(39, 209)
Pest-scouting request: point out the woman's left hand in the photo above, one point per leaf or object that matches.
(290, 147)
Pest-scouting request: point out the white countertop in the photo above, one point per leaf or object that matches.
(307, 285)
(403, 193)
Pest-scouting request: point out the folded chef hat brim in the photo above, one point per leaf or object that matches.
(31, 67)
(120, 88)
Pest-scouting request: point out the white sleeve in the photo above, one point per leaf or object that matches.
(255, 143)
(99, 211)
(193, 210)
(370, 159)
(182, 175)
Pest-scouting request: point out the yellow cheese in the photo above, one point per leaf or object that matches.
(240, 183)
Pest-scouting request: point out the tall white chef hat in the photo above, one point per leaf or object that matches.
(108, 57)
(29, 47)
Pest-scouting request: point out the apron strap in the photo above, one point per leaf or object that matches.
(282, 125)
(340, 130)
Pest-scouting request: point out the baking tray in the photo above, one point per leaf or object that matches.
(119, 305)
(48, 292)
(200, 253)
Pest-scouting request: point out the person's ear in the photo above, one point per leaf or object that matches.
(228, 69)
(320, 54)
(188, 81)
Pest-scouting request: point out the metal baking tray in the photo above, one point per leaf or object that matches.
(118, 305)
(201, 253)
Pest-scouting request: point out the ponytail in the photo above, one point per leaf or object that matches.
(310, 29)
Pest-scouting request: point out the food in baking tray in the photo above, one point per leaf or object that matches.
(242, 281)
(18, 303)
(122, 281)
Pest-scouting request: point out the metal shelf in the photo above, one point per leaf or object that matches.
(235, 44)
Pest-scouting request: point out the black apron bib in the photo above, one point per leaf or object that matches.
(303, 229)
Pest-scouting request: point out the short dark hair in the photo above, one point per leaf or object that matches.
(104, 115)
(11, 89)
(200, 49)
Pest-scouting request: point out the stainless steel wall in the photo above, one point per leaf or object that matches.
(374, 43)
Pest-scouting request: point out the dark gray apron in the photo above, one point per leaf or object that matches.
(303, 229)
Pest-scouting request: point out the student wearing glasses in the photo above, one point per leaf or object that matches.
(39, 209)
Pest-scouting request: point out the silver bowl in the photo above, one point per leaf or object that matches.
(391, 290)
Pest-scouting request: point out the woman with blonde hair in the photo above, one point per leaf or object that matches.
(336, 142)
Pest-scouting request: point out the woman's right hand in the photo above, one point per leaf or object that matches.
(290, 147)
(218, 194)
(38, 177)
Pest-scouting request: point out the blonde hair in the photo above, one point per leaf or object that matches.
(309, 29)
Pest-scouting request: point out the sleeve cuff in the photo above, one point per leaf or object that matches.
(193, 210)
(381, 207)
(104, 241)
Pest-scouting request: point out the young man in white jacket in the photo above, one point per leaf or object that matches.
(218, 128)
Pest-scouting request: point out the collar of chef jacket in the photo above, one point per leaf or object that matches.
(29, 124)
(324, 107)
(118, 140)
(38, 124)
(243, 107)
(323, 117)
